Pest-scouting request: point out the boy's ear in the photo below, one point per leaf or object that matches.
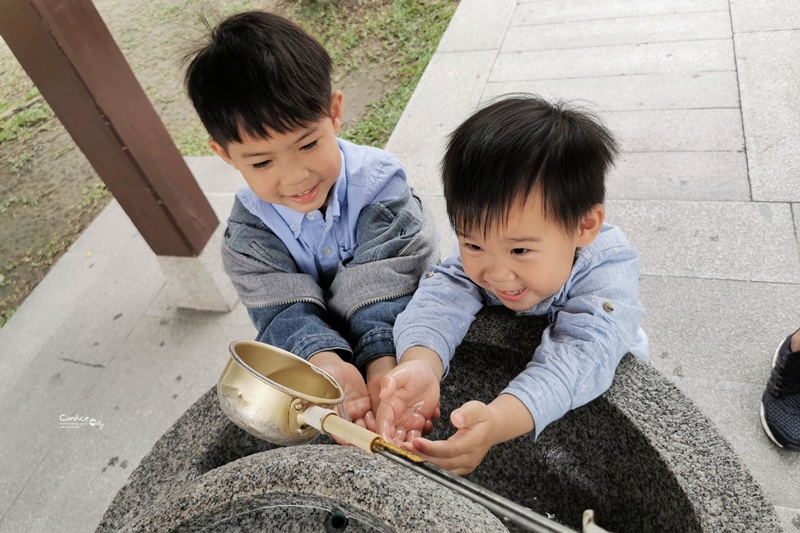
(220, 151)
(591, 224)
(336, 111)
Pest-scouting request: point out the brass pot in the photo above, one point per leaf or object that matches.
(265, 390)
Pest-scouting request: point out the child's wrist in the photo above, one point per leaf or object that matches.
(380, 366)
(320, 358)
(427, 356)
(509, 418)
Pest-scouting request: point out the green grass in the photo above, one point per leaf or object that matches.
(407, 31)
(193, 141)
(21, 125)
(23, 160)
(398, 35)
(5, 317)
(94, 194)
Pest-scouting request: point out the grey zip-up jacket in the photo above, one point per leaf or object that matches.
(354, 315)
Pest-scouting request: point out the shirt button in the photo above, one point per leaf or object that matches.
(311, 216)
(429, 274)
(293, 227)
(326, 251)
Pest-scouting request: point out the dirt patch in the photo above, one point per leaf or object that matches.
(361, 87)
(48, 190)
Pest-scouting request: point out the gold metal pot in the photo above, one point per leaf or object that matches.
(265, 390)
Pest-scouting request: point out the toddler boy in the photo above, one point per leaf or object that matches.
(524, 187)
(326, 243)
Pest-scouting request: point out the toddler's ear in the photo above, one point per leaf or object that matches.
(591, 224)
(220, 151)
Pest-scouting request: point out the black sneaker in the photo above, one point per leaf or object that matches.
(780, 404)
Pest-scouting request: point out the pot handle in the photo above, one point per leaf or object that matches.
(320, 419)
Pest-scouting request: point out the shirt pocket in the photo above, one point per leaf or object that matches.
(270, 250)
(382, 234)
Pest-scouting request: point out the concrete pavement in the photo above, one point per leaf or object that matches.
(703, 96)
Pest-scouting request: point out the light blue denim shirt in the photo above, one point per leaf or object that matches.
(317, 243)
(594, 320)
(335, 283)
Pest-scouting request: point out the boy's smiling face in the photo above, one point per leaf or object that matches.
(528, 258)
(296, 169)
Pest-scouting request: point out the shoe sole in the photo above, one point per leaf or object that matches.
(763, 418)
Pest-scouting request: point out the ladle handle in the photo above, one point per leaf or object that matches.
(329, 422)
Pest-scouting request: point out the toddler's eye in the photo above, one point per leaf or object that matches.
(262, 164)
(473, 247)
(519, 251)
(309, 146)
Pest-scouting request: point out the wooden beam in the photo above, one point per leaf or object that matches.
(68, 52)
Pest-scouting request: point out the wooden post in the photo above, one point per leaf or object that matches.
(68, 52)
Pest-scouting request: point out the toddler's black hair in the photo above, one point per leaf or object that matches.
(519, 146)
(258, 73)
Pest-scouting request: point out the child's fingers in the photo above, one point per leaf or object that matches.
(469, 414)
(399, 435)
(388, 387)
(408, 446)
(358, 408)
(438, 452)
(452, 456)
(437, 449)
(369, 421)
(386, 421)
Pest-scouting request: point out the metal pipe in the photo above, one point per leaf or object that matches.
(518, 514)
(329, 422)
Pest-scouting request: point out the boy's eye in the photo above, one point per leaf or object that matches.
(262, 164)
(309, 146)
(519, 251)
(473, 247)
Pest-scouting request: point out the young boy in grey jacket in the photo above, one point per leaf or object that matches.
(326, 243)
(524, 187)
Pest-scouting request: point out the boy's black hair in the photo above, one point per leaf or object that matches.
(258, 73)
(523, 145)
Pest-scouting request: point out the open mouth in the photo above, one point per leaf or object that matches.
(511, 296)
(306, 196)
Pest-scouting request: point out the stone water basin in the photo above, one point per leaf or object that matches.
(642, 456)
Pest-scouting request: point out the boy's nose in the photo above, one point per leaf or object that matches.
(295, 175)
(497, 272)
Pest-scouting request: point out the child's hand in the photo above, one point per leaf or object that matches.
(480, 427)
(356, 397)
(464, 451)
(376, 369)
(409, 399)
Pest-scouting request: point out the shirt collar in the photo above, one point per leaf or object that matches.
(544, 305)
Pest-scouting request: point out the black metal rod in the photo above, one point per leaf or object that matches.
(504, 507)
